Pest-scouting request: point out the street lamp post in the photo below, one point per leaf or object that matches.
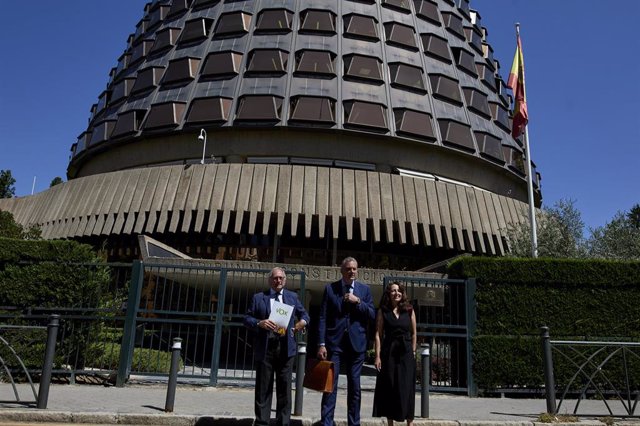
(203, 138)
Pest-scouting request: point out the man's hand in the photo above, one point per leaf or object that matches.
(351, 298)
(267, 325)
(322, 353)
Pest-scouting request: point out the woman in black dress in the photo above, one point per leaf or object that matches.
(395, 346)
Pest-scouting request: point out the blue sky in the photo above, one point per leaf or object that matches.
(582, 64)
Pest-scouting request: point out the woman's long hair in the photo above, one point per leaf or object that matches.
(403, 305)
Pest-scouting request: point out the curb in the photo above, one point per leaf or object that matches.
(169, 419)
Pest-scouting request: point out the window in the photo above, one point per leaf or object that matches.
(464, 60)
(168, 114)
(274, 21)
(400, 35)
(221, 65)
(474, 39)
(233, 24)
(103, 100)
(158, 13)
(102, 131)
(365, 114)
(487, 76)
(477, 101)
(401, 5)
(209, 110)
(123, 62)
(140, 50)
(147, 79)
(456, 134)
(414, 124)
(141, 28)
(500, 116)
(267, 61)
(259, 108)
(312, 109)
(407, 76)
(436, 47)
(316, 63)
(427, 10)
(514, 159)
(359, 26)
(178, 7)
(196, 30)
(128, 123)
(202, 3)
(165, 38)
(122, 89)
(363, 67)
(490, 146)
(317, 21)
(445, 88)
(453, 23)
(181, 70)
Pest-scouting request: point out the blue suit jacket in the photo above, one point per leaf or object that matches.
(261, 309)
(338, 317)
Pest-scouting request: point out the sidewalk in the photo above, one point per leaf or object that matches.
(223, 405)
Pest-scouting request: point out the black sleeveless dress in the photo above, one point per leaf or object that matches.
(395, 392)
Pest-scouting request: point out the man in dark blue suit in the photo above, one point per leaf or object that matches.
(274, 353)
(345, 313)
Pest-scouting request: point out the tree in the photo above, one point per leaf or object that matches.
(7, 190)
(9, 228)
(618, 239)
(634, 216)
(559, 232)
(56, 181)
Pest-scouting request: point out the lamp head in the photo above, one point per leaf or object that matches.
(203, 135)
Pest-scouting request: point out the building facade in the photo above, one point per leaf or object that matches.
(297, 132)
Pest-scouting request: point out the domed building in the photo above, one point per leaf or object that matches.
(297, 132)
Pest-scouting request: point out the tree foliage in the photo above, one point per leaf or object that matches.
(618, 239)
(55, 181)
(559, 233)
(7, 182)
(9, 228)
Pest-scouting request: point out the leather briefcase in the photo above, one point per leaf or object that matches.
(319, 375)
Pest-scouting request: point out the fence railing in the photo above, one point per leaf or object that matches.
(592, 370)
(12, 364)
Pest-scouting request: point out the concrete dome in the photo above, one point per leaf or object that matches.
(389, 115)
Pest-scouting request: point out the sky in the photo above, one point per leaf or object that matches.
(582, 66)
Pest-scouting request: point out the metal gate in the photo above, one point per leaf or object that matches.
(445, 317)
(202, 305)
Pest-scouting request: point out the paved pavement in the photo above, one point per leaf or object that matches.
(198, 405)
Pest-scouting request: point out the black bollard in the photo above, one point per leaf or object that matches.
(549, 382)
(300, 368)
(426, 373)
(47, 366)
(173, 374)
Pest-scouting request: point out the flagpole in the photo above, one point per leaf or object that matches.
(532, 208)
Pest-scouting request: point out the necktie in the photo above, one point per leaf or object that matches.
(279, 297)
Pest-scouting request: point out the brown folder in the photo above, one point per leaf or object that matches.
(319, 375)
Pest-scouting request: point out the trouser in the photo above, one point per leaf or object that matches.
(353, 362)
(276, 362)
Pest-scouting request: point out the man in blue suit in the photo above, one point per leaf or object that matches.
(345, 313)
(274, 353)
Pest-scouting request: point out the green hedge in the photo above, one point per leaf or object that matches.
(576, 299)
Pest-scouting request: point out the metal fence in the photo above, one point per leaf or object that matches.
(445, 317)
(603, 371)
(205, 307)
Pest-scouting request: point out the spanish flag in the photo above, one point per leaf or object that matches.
(516, 84)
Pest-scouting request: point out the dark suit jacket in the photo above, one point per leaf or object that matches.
(338, 317)
(260, 309)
